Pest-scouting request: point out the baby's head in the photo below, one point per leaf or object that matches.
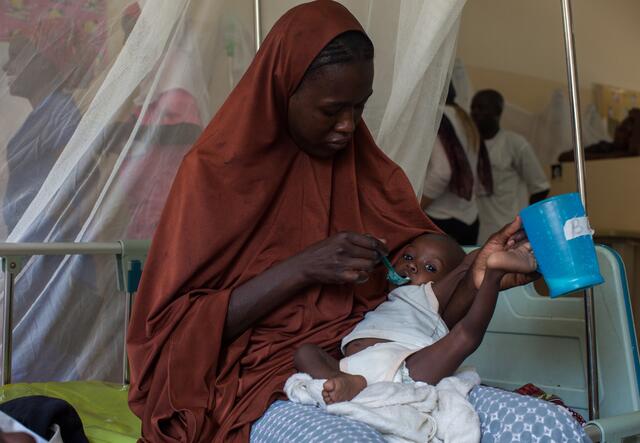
(429, 258)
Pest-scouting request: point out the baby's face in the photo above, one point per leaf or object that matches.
(425, 259)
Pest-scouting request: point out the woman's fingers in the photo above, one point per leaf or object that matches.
(509, 235)
(353, 276)
(517, 238)
(347, 257)
(360, 264)
(354, 251)
(511, 229)
(368, 241)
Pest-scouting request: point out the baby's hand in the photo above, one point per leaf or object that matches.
(518, 259)
(509, 238)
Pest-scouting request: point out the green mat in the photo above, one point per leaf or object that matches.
(102, 407)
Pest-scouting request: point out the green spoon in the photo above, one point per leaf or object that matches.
(392, 275)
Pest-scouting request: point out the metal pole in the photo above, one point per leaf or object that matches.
(257, 23)
(94, 248)
(11, 268)
(125, 360)
(589, 308)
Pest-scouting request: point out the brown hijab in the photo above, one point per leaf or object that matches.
(245, 198)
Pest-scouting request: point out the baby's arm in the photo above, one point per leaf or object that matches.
(441, 359)
(474, 324)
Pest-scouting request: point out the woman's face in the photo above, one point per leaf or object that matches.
(27, 70)
(327, 107)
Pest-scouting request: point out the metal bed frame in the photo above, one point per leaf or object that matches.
(129, 259)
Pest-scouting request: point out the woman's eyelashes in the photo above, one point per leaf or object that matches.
(330, 112)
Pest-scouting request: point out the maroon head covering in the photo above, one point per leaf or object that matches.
(246, 197)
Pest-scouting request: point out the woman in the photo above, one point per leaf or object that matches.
(170, 124)
(251, 257)
(39, 71)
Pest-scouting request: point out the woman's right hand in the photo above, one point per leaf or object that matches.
(346, 257)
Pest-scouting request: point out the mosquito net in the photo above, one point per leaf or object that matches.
(99, 101)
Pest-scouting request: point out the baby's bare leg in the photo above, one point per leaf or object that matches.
(313, 360)
(441, 359)
(339, 386)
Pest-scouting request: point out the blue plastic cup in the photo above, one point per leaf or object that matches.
(562, 242)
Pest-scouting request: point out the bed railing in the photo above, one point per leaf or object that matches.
(129, 259)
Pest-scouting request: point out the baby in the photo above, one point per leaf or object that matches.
(405, 339)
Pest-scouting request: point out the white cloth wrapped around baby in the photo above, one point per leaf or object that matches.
(399, 408)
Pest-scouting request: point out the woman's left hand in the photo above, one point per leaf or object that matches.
(506, 238)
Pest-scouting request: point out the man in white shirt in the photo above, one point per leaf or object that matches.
(514, 165)
(449, 196)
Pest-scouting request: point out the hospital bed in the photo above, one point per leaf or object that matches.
(531, 339)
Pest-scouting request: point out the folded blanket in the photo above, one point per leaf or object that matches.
(404, 412)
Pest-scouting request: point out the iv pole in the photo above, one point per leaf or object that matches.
(589, 308)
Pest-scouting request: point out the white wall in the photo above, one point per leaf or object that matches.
(519, 44)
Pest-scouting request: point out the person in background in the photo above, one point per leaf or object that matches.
(40, 69)
(458, 161)
(169, 126)
(513, 165)
(626, 141)
(47, 64)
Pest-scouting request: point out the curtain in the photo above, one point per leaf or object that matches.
(421, 60)
(99, 101)
(105, 97)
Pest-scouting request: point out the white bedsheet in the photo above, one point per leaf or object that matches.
(404, 412)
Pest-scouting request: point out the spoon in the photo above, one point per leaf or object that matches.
(392, 275)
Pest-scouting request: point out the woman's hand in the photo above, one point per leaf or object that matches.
(346, 257)
(505, 239)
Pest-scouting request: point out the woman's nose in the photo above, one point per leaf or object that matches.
(346, 122)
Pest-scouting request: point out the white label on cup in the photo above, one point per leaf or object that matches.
(577, 227)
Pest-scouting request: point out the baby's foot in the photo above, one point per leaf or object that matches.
(519, 259)
(343, 387)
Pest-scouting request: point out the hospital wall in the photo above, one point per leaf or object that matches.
(612, 193)
(613, 205)
(518, 47)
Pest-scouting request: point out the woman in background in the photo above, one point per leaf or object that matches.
(169, 125)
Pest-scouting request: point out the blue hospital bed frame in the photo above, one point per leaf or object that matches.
(531, 339)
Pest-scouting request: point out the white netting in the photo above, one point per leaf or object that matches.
(99, 123)
(99, 100)
(422, 59)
